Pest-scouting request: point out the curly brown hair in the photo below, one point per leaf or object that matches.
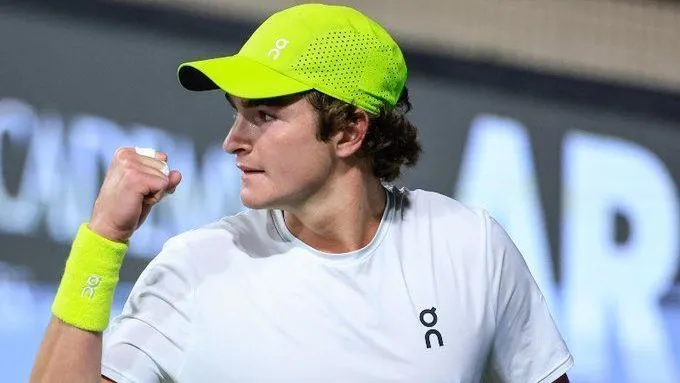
(390, 142)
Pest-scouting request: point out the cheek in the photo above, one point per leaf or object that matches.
(298, 159)
(302, 163)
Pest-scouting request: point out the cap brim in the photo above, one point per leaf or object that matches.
(238, 76)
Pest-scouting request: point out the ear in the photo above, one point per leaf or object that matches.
(348, 140)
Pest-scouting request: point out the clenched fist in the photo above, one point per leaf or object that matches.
(132, 185)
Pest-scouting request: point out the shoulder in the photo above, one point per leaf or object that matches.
(211, 242)
(443, 212)
(247, 222)
(436, 201)
(467, 228)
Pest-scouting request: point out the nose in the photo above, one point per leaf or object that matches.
(240, 137)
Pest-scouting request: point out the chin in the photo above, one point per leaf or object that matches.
(270, 197)
(253, 204)
(256, 202)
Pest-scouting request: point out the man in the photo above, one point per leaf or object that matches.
(331, 275)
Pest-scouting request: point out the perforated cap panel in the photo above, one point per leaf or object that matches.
(351, 66)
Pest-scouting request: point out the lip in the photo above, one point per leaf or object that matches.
(248, 169)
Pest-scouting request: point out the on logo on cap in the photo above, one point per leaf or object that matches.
(279, 45)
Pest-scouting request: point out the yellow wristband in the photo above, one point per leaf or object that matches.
(85, 294)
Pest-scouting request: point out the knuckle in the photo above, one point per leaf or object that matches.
(118, 153)
(121, 153)
(124, 158)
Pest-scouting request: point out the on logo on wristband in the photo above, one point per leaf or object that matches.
(92, 282)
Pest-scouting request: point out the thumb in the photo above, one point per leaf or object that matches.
(175, 177)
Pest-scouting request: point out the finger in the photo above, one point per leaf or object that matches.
(151, 153)
(147, 170)
(126, 157)
(158, 166)
(150, 163)
(147, 181)
(174, 178)
(155, 198)
(154, 189)
(155, 155)
(161, 156)
(171, 183)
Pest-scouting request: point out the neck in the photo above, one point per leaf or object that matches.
(343, 216)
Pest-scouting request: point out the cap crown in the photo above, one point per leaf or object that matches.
(334, 49)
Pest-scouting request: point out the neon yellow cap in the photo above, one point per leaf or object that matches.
(334, 49)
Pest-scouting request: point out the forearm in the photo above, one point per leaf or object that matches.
(71, 349)
(68, 354)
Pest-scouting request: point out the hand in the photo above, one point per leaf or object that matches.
(132, 185)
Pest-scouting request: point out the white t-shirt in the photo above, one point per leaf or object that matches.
(441, 294)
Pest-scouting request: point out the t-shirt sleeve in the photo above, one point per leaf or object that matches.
(527, 346)
(147, 341)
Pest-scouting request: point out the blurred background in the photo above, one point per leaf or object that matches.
(561, 117)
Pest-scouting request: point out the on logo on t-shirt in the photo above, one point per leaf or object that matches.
(428, 318)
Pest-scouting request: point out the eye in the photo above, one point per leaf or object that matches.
(265, 117)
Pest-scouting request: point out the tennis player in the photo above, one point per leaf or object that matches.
(332, 275)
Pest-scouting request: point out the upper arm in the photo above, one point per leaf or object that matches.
(147, 341)
(527, 345)
(106, 380)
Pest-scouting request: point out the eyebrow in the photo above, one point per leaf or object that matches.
(270, 101)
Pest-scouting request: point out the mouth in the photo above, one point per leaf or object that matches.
(248, 173)
(247, 170)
